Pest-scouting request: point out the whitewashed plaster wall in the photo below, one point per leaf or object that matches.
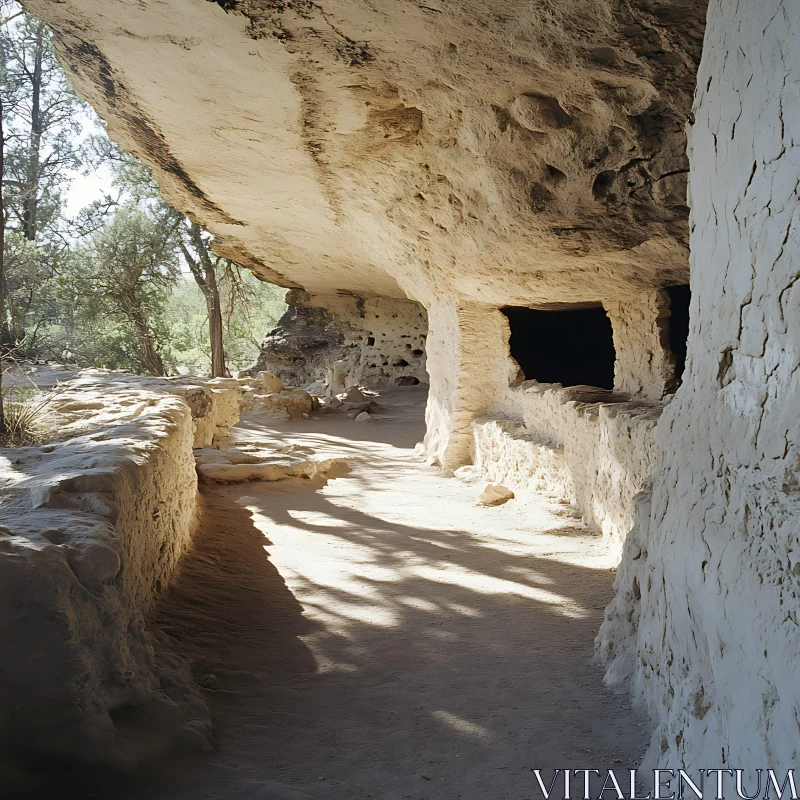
(644, 364)
(711, 584)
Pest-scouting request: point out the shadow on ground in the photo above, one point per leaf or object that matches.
(378, 636)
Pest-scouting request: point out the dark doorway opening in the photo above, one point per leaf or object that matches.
(572, 347)
(679, 300)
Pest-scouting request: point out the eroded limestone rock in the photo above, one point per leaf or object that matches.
(282, 405)
(346, 340)
(95, 398)
(91, 530)
(254, 463)
(406, 146)
(272, 383)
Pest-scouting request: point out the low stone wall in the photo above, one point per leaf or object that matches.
(582, 445)
(92, 528)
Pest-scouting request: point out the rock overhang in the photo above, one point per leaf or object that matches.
(507, 153)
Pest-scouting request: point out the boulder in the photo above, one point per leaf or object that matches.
(272, 383)
(495, 495)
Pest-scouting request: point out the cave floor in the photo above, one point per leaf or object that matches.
(377, 635)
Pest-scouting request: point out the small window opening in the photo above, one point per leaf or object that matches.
(370, 341)
(572, 347)
(679, 300)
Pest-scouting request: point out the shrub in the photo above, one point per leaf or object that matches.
(27, 416)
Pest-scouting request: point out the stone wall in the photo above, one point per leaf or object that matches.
(473, 374)
(644, 365)
(589, 447)
(382, 339)
(92, 527)
(705, 623)
(469, 367)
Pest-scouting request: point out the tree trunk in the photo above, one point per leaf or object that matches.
(218, 367)
(3, 317)
(151, 358)
(30, 202)
(205, 277)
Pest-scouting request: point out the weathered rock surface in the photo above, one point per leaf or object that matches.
(593, 449)
(289, 403)
(96, 398)
(706, 618)
(494, 495)
(272, 383)
(378, 341)
(505, 153)
(476, 155)
(91, 530)
(254, 463)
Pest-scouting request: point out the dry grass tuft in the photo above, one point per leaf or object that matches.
(28, 418)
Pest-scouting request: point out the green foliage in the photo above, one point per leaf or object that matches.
(188, 350)
(42, 125)
(111, 287)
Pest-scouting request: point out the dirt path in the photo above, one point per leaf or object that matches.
(376, 635)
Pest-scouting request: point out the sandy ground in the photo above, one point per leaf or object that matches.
(377, 635)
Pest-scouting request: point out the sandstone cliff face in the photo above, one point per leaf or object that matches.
(379, 340)
(508, 152)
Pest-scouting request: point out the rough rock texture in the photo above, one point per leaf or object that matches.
(580, 445)
(91, 530)
(97, 398)
(494, 495)
(713, 646)
(254, 463)
(505, 152)
(467, 156)
(472, 372)
(590, 447)
(476, 155)
(271, 383)
(469, 364)
(286, 404)
(644, 366)
(379, 340)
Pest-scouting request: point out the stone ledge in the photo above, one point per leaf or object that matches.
(92, 528)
